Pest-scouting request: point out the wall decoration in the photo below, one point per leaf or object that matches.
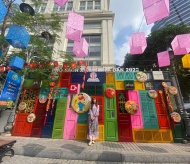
(176, 117)
(61, 2)
(18, 36)
(3, 10)
(186, 61)
(65, 66)
(181, 44)
(75, 26)
(137, 43)
(153, 94)
(81, 102)
(53, 76)
(155, 10)
(110, 92)
(73, 88)
(141, 76)
(163, 59)
(1, 53)
(129, 85)
(31, 117)
(131, 107)
(158, 75)
(173, 90)
(80, 49)
(22, 106)
(93, 77)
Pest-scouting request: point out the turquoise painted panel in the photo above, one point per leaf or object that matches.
(82, 118)
(125, 75)
(150, 119)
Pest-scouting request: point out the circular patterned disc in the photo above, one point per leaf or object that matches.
(26, 8)
(31, 117)
(173, 90)
(81, 102)
(110, 92)
(54, 76)
(176, 117)
(153, 94)
(131, 107)
(22, 106)
(141, 77)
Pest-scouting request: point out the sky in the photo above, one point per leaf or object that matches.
(128, 17)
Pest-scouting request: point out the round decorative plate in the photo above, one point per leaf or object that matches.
(81, 102)
(141, 77)
(110, 92)
(176, 117)
(153, 94)
(173, 90)
(26, 8)
(131, 107)
(31, 117)
(22, 106)
(53, 76)
(42, 99)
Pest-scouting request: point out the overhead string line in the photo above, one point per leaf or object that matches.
(141, 23)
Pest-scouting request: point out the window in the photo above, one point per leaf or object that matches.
(97, 5)
(37, 8)
(90, 5)
(43, 7)
(69, 6)
(92, 25)
(82, 5)
(62, 8)
(55, 7)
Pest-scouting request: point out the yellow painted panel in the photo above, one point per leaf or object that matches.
(186, 61)
(101, 133)
(81, 132)
(154, 136)
(110, 79)
(139, 85)
(120, 85)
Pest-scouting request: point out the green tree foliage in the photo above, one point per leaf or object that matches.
(159, 41)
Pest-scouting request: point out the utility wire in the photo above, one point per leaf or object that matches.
(141, 23)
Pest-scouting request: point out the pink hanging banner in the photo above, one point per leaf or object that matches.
(80, 49)
(163, 59)
(181, 44)
(137, 43)
(75, 26)
(155, 10)
(60, 2)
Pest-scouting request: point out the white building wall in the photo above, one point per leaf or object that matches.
(104, 16)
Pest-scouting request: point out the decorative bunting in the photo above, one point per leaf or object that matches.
(80, 49)
(163, 59)
(137, 43)
(3, 10)
(75, 26)
(61, 2)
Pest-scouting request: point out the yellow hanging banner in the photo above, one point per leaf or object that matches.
(186, 61)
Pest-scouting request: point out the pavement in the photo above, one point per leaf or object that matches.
(109, 152)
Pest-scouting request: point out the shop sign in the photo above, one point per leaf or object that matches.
(93, 77)
(158, 75)
(11, 86)
(73, 88)
(129, 85)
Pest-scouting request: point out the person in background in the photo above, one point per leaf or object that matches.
(93, 121)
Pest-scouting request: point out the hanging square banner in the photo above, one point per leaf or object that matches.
(129, 85)
(11, 86)
(158, 75)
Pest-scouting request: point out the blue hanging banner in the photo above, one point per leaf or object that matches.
(1, 53)
(11, 86)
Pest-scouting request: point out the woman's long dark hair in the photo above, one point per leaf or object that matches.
(92, 102)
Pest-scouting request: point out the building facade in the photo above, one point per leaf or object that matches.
(97, 29)
(179, 13)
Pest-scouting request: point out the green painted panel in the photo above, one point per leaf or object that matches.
(111, 127)
(150, 119)
(58, 127)
(82, 118)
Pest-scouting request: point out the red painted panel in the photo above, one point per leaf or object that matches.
(100, 101)
(65, 79)
(124, 119)
(161, 110)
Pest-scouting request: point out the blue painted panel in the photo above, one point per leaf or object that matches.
(95, 78)
(77, 77)
(47, 131)
(158, 86)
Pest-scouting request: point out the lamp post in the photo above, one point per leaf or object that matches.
(185, 116)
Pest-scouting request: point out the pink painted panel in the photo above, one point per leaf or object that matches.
(181, 44)
(61, 2)
(138, 43)
(157, 11)
(136, 119)
(70, 122)
(163, 59)
(80, 49)
(75, 26)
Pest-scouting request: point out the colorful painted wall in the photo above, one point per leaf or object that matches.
(151, 123)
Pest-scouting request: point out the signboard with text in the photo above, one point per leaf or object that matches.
(129, 85)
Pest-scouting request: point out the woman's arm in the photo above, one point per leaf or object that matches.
(97, 111)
